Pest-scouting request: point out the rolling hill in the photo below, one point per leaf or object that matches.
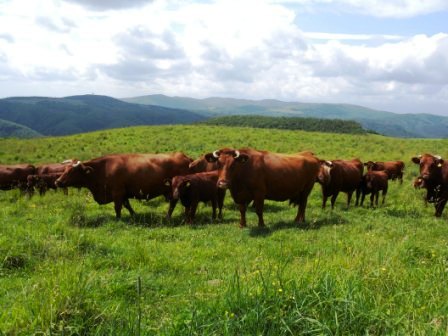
(387, 123)
(10, 129)
(78, 114)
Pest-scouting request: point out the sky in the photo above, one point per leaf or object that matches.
(390, 55)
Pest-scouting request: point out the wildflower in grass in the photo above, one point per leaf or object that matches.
(280, 290)
(383, 269)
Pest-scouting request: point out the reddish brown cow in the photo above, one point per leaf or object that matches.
(256, 175)
(14, 176)
(434, 178)
(52, 168)
(393, 169)
(339, 176)
(372, 183)
(116, 178)
(194, 188)
(202, 165)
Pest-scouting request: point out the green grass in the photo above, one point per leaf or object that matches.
(68, 267)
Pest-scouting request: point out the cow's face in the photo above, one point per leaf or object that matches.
(370, 165)
(75, 175)
(324, 175)
(229, 163)
(180, 185)
(430, 165)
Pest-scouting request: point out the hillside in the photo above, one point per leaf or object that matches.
(289, 123)
(387, 123)
(67, 266)
(77, 114)
(13, 130)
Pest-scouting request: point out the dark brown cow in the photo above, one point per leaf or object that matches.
(202, 165)
(43, 182)
(116, 178)
(194, 188)
(434, 178)
(258, 175)
(14, 176)
(393, 169)
(372, 183)
(339, 176)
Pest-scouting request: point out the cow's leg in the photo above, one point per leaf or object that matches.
(349, 198)
(324, 201)
(363, 196)
(333, 199)
(220, 205)
(300, 217)
(440, 205)
(127, 205)
(372, 196)
(214, 206)
(193, 208)
(117, 206)
(65, 191)
(259, 205)
(384, 196)
(243, 208)
(358, 192)
(173, 203)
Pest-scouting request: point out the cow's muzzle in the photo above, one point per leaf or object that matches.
(223, 184)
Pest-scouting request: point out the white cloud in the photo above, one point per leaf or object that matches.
(247, 49)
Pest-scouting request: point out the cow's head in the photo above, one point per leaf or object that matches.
(370, 165)
(430, 166)
(75, 175)
(202, 165)
(229, 162)
(32, 180)
(180, 185)
(324, 176)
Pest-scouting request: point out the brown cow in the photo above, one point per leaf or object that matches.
(434, 178)
(202, 165)
(116, 178)
(200, 187)
(258, 175)
(339, 176)
(43, 182)
(393, 169)
(52, 168)
(372, 183)
(14, 176)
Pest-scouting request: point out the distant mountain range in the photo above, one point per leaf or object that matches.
(387, 123)
(43, 116)
(34, 116)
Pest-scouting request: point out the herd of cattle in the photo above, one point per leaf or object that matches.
(250, 175)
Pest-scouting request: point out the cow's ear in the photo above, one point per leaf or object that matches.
(167, 182)
(243, 158)
(416, 160)
(210, 157)
(88, 169)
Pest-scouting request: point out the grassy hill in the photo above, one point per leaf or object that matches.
(77, 114)
(13, 130)
(387, 123)
(68, 267)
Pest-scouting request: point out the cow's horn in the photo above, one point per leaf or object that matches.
(66, 161)
(438, 157)
(216, 154)
(237, 154)
(77, 164)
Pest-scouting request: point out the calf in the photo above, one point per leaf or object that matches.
(43, 182)
(194, 188)
(339, 176)
(14, 176)
(393, 169)
(372, 183)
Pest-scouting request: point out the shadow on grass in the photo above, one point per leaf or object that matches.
(334, 219)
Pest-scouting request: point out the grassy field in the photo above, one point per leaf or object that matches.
(68, 267)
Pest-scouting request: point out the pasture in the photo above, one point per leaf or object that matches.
(67, 266)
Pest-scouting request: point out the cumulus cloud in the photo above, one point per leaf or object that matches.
(62, 25)
(100, 5)
(7, 37)
(378, 8)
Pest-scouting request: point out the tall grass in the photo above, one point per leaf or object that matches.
(67, 266)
